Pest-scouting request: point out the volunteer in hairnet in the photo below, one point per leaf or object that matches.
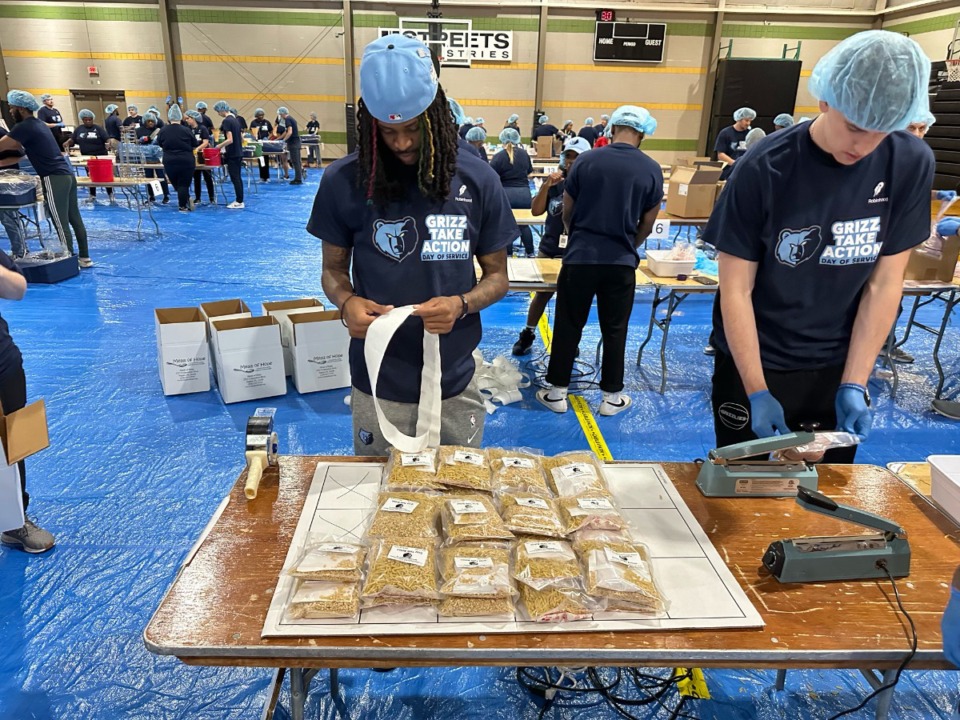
(811, 275)
(513, 122)
(402, 221)
(112, 125)
(262, 129)
(610, 203)
(232, 149)
(133, 118)
(782, 121)
(754, 136)
(291, 136)
(477, 137)
(730, 145)
(545, 129)
(313, 150)
(52, 118)
(513, 166)
(458, 119)
(588, 132)
(59, 182)
(205, 119)
(601, 128)
(179, 162)
(194, 121)
(92, 141)
(240, 119)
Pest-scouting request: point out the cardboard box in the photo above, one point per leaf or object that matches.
(321, 346)
(545, 147)
(221, 310)
(693, 191)
(923, 267)
(282, 310)
(696, 162)
(691, 160)
(249, 358)
(183, 352)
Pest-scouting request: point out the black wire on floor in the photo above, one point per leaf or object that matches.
(583, 377)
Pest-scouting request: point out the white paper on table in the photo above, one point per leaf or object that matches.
(522, 270)
(11, 498)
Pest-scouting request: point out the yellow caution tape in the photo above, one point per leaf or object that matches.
(544, 327)
(590, 427)
(692, 683)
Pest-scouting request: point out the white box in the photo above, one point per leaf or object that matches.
(183, 352)
(249, 358)
(658, 264)
(321, 347)
(221, 310)
(11, 498)
(945, 483)
(282, 310)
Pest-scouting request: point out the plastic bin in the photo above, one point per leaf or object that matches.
(945, 483)
(100, 170)
(658, 264)
(211, 157)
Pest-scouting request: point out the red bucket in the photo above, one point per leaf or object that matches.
(211, 157)
(100, 169)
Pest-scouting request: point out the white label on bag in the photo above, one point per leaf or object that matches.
(156, 187)
(533, 503)
(564, 239)
(465, 563)
(631, 560)
(594, 504)
(467, 457)
(544, 546)
(400, 506)
(515, 462)
(576, 470)
(408, 555)
(336, 548)
(465, 507)
(262, 160)
(414, 460)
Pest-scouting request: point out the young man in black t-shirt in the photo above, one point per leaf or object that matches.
(732, 141)
(232, 149)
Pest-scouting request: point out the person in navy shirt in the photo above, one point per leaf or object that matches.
(466, 127)
(133, 118)
(232, 149)
(402, 221)
(732, 141)
(52, 118)
(513, 166)
(477, 137)
(262, 129)
(291, 136)
(59, 182)
(205, 119)
(553, 244)
(588, 132)
(814, 231)
(610, 202)
(91, 139)
(179, 163)
(545, 129)
(600, 128)
(112, 125)
(202, 136)
(240, 119)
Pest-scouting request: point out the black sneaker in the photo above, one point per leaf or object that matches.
(522, 346)
(899, 356)
(947, 408)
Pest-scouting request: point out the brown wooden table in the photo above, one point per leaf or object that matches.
(215, 609)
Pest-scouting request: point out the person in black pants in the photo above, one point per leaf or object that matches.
(92, 141)
(262, 129)
(514, 167)
(610, 203)
(193, 120)
(178, 143)
(13, 396)
(291, 137)
(232, 149)
(146, 135)
(112, 125)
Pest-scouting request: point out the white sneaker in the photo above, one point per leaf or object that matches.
(236, 205)
(608, 408)
(558, 405)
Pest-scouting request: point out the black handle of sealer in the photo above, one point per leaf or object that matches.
(812, 497)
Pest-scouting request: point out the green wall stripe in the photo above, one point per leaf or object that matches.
(257, 17)
(588, 26)
(50, 11)
(941, 22)
(334, 138)
(789, 32)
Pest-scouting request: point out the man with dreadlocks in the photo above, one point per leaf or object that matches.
(411, 211)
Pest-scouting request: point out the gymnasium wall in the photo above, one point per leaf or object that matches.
(932, 30)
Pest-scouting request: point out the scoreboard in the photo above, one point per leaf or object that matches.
(629, 42)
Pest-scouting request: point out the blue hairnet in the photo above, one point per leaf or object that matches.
(477, 134)
(924, 118)
(153, 109)
(754, 136)
(634, 117)
(543, 120)
(783, 120)
(259, 111)
(513, 118)
(456, 111)
(588, 121)
(133, 107)
(86, 114)
(201, 105)
(468, 120)
(174, 114)
(282, 111)
(149, 117)
(479, 121)
(21, 98)
(744, 113)
(111, 109)
(877, 79)
(509, 135)
(221, 107)
(605, 117)
(234, 111)
(193, 114)
(567, 122)
(45, 97)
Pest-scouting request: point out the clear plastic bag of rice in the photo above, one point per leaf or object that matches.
(467, 518)
(574, 473)
(458, 606)
(476, 570)
(529, 513)
(590, 511)
(405, 514)
(546, 563)
(619, 572)
(411, 471)
(401, 571)
(464, 467)
(315, 599)
(518, 470)
(330, 560)
(553, 605)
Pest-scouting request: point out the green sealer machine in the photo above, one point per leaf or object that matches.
(726, 474)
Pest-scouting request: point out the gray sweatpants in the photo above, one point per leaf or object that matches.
(461, 417)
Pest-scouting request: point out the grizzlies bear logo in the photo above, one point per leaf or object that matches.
(396, 238)
(798, 246)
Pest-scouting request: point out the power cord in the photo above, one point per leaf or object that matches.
(882, 565)
(583, 377)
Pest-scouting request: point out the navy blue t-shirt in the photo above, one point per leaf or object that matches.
(588, 133)
(136, 121)
(816, 228)
(553, 225)
(200, 133)
(207, 122)
(91, 140)
(234, 149)
(261, 129)
(612, 189)
(599, 130)
(513, 174)
(42, 150)
(112, 126)
(49, 115)
(177, 141)
(464, 129)
(10, 357)
(294, 138)
(243, 122)
(473, 149)
(410, 252)
(733, 142)
(546, 130)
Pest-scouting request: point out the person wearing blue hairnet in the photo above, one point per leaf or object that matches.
(465, 127)
(133, 119)
(754, 136)
(588, 132)
(731, 141)
(313, 149)
(240, 119)
(153, 110)
(553, 243)
(291, 136)
(205, 119)
(610, 202)
(51, 117)
(814, 230)
(179, 162)
(477, 137)
(782, 121)
(513, 122)
(402, 221)
(59, 183)
(92, 141)
(262, 129)
(567, 130)
(112, 124)
(456, 113)
(600, 128)
(232, 148)
(544, 128)
(147, 135)
(194, 120)
(513, 166)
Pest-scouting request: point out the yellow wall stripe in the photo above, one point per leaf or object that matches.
(71, 55)
(262, 59)
(590, 428)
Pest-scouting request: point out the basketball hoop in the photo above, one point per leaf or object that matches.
(953, 70)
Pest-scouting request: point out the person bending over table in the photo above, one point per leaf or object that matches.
(147, 135)
(262, 129)
(610, 203)
(732, 141)
(232, 149)
(92, 140)
(809, 288)
(411, 211)
(545, 129)
(513, 166)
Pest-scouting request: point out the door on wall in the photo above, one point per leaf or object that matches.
(98, 101)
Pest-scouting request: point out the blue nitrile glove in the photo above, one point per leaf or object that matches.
(767, 415)
(946, 194)
(853, 410)
(60, 124)
(948, 226)
(950, 628)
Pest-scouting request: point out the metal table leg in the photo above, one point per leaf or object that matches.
(884, 698)
(275, 685)
(653, 315)
(674, 300)
(951, 301)
(781, 679)
(299, 687)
